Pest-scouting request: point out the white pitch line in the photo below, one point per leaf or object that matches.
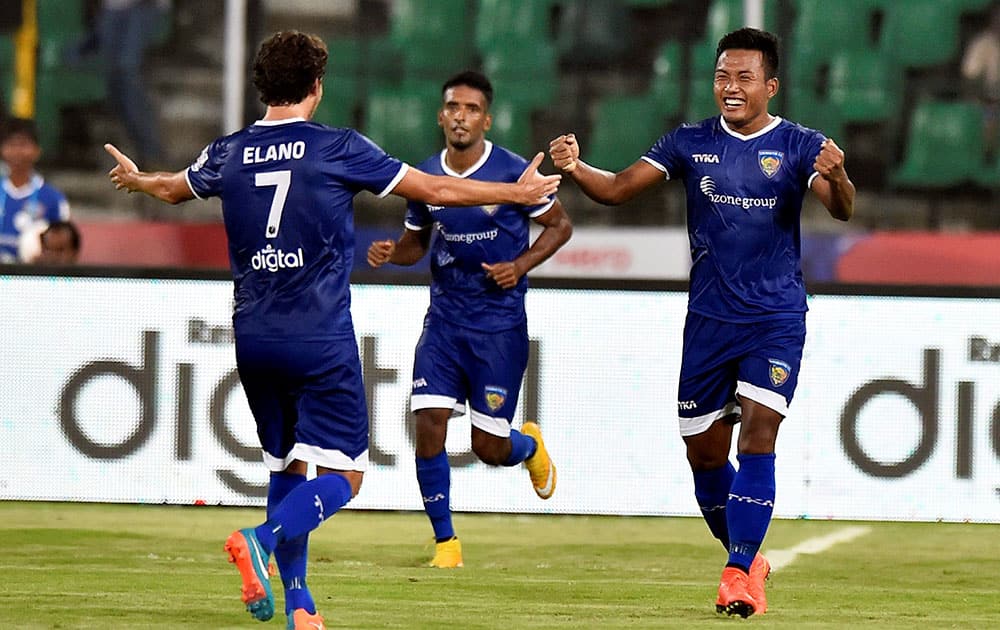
(783, 557)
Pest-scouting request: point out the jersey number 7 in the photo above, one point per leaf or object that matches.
(282, 181)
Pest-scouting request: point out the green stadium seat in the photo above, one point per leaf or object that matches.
(968, 6)
(60, 26)
(803, 106)
(6, 70)
(430, 36)
(512, 126)
(666, 85)
(502, 23)
(339, 104)
(526, 73)
(624, 128)
(823, 28)
(593, 33)
(864, 86)
(944, 147)
(402, 120)
(342, 83)
(425, 20)
(920, 33)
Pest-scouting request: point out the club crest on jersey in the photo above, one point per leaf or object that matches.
(778, 371)
(490, 209)
(495, 396)
(770, 162)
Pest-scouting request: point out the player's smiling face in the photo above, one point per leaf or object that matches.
(464, 116)
(742, 90)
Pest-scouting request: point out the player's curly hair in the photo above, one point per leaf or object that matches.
(287, 65)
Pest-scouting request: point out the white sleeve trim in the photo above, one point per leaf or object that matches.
(812, 177)
(542, 210)
(187, 178)
(656, 165)
(414, 226)
(403, 168)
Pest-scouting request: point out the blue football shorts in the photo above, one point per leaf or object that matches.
(453, 365)
(308, 401)
(758, 361)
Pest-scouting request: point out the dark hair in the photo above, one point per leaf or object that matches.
(472, 79)
(69, 226)
(753, 39)
(19, 127)
(287, 66)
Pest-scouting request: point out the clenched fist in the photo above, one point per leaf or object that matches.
(379, 252)
(830, 161)
(564, 151)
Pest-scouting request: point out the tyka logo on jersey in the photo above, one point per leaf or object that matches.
(274, 259)
(705, 158)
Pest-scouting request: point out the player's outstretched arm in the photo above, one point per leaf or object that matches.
(170, 187)
(410, 248)
(598, 184)
(557, 230)
(833, 187)
(531, 189)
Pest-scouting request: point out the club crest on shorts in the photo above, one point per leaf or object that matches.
(778, 371)
(495, 396)
(770, 161)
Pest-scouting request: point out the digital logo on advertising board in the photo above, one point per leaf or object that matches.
(148, 379)
(925, 399)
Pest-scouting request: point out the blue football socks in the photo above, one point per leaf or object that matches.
(521, 448)
(749, 509)
(434, 479)
(304, 508)
(292, 556)
(711, 489)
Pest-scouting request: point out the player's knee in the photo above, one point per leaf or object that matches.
(489, 448)
(432, 431)
(355, 478)
(703, 460)
(356, 484)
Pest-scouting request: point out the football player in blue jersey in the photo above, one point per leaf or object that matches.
(287, 187)
(474, 346)
(745, 173)
(27, 204)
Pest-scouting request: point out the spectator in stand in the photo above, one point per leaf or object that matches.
(125, 30)
(27, 204)
(981, 75)
(60, 244)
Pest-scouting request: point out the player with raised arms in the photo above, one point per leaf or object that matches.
(745, 174)
(474, 345)
(287, 187)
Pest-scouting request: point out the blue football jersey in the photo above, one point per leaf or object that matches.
(466, 237)
(287, 190)
(744, 201)
(25, 206)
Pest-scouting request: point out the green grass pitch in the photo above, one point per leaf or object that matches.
(125, 566)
